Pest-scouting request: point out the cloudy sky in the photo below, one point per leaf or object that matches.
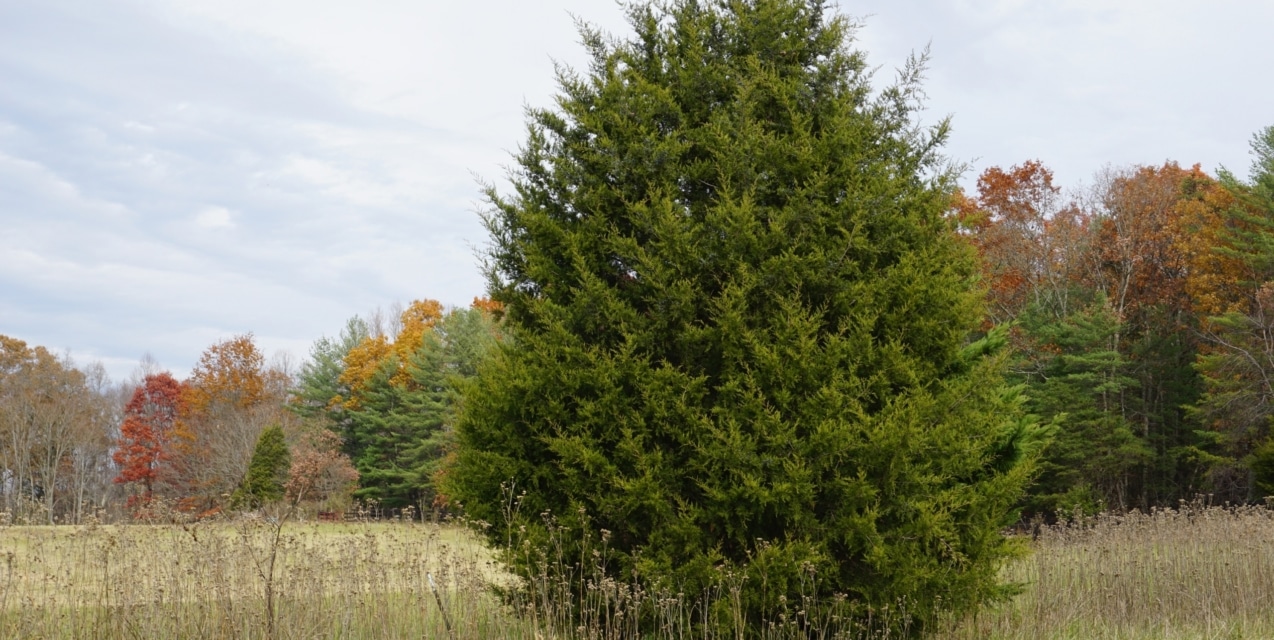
(173, 172)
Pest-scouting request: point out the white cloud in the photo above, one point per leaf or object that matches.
(214, 218)
(22, 178)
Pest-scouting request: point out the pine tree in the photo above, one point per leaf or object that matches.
(319, 391)
(1238, 368)
(1075, 382)
(402, 429)
(737, 314)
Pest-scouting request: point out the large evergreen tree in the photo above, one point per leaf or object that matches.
(737, 317)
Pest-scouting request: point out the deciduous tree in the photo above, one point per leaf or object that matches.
(231, 396)
(320, 472)
(1031, 241)
(49, 415)
(375, 352)
(145, 446)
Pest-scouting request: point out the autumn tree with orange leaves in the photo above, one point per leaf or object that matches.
(363, 361)
(54, 426)
(230, 397)
(1030, 239)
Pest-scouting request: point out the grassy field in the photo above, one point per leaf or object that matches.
(1188, 573)
(1193, 573)
(360, 580)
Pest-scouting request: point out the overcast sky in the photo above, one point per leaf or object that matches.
(173, 173)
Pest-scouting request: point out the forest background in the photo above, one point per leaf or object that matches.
(1141, 315)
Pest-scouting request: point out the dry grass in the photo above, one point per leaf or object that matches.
(361, 580)
(1190, 573)
(365, 580)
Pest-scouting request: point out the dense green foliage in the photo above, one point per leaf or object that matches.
(1239, 398)
(319, 391)
(400, 434)
(737, 317)
(1074, 381)
(267, 471)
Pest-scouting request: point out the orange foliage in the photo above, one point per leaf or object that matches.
(360, 365)
(419, 317)
(231, 372)
(362, 361)
(1211, 274)
(488, 306)
(1030, 242)
(1140, 241)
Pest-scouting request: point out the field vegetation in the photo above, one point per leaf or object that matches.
(1193, 572)
(1190, 572)
(209, 580)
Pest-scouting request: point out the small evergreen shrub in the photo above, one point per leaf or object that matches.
(267, 471)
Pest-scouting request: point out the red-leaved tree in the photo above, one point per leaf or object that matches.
(146, 434)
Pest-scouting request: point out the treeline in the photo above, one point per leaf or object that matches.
(366, 418)
(57, 426)
(1141, 311)
(1142, 314)
(186, 446)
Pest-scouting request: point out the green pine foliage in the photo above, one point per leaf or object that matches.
(1075, 382)
(737, 316)
(401, 433)
(1262, 465)
(267, 471)
(319, 390)
(1250, 231)
(386, 424)
(1238, 367)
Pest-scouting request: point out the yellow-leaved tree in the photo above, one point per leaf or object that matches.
(364, 360)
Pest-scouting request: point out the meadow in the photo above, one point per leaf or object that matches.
(211, 580)
(1193, 572)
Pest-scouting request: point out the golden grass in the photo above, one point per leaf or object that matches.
(1189, 573)
(365, 580)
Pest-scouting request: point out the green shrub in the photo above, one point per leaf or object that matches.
(737, 314)
(267, 471)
